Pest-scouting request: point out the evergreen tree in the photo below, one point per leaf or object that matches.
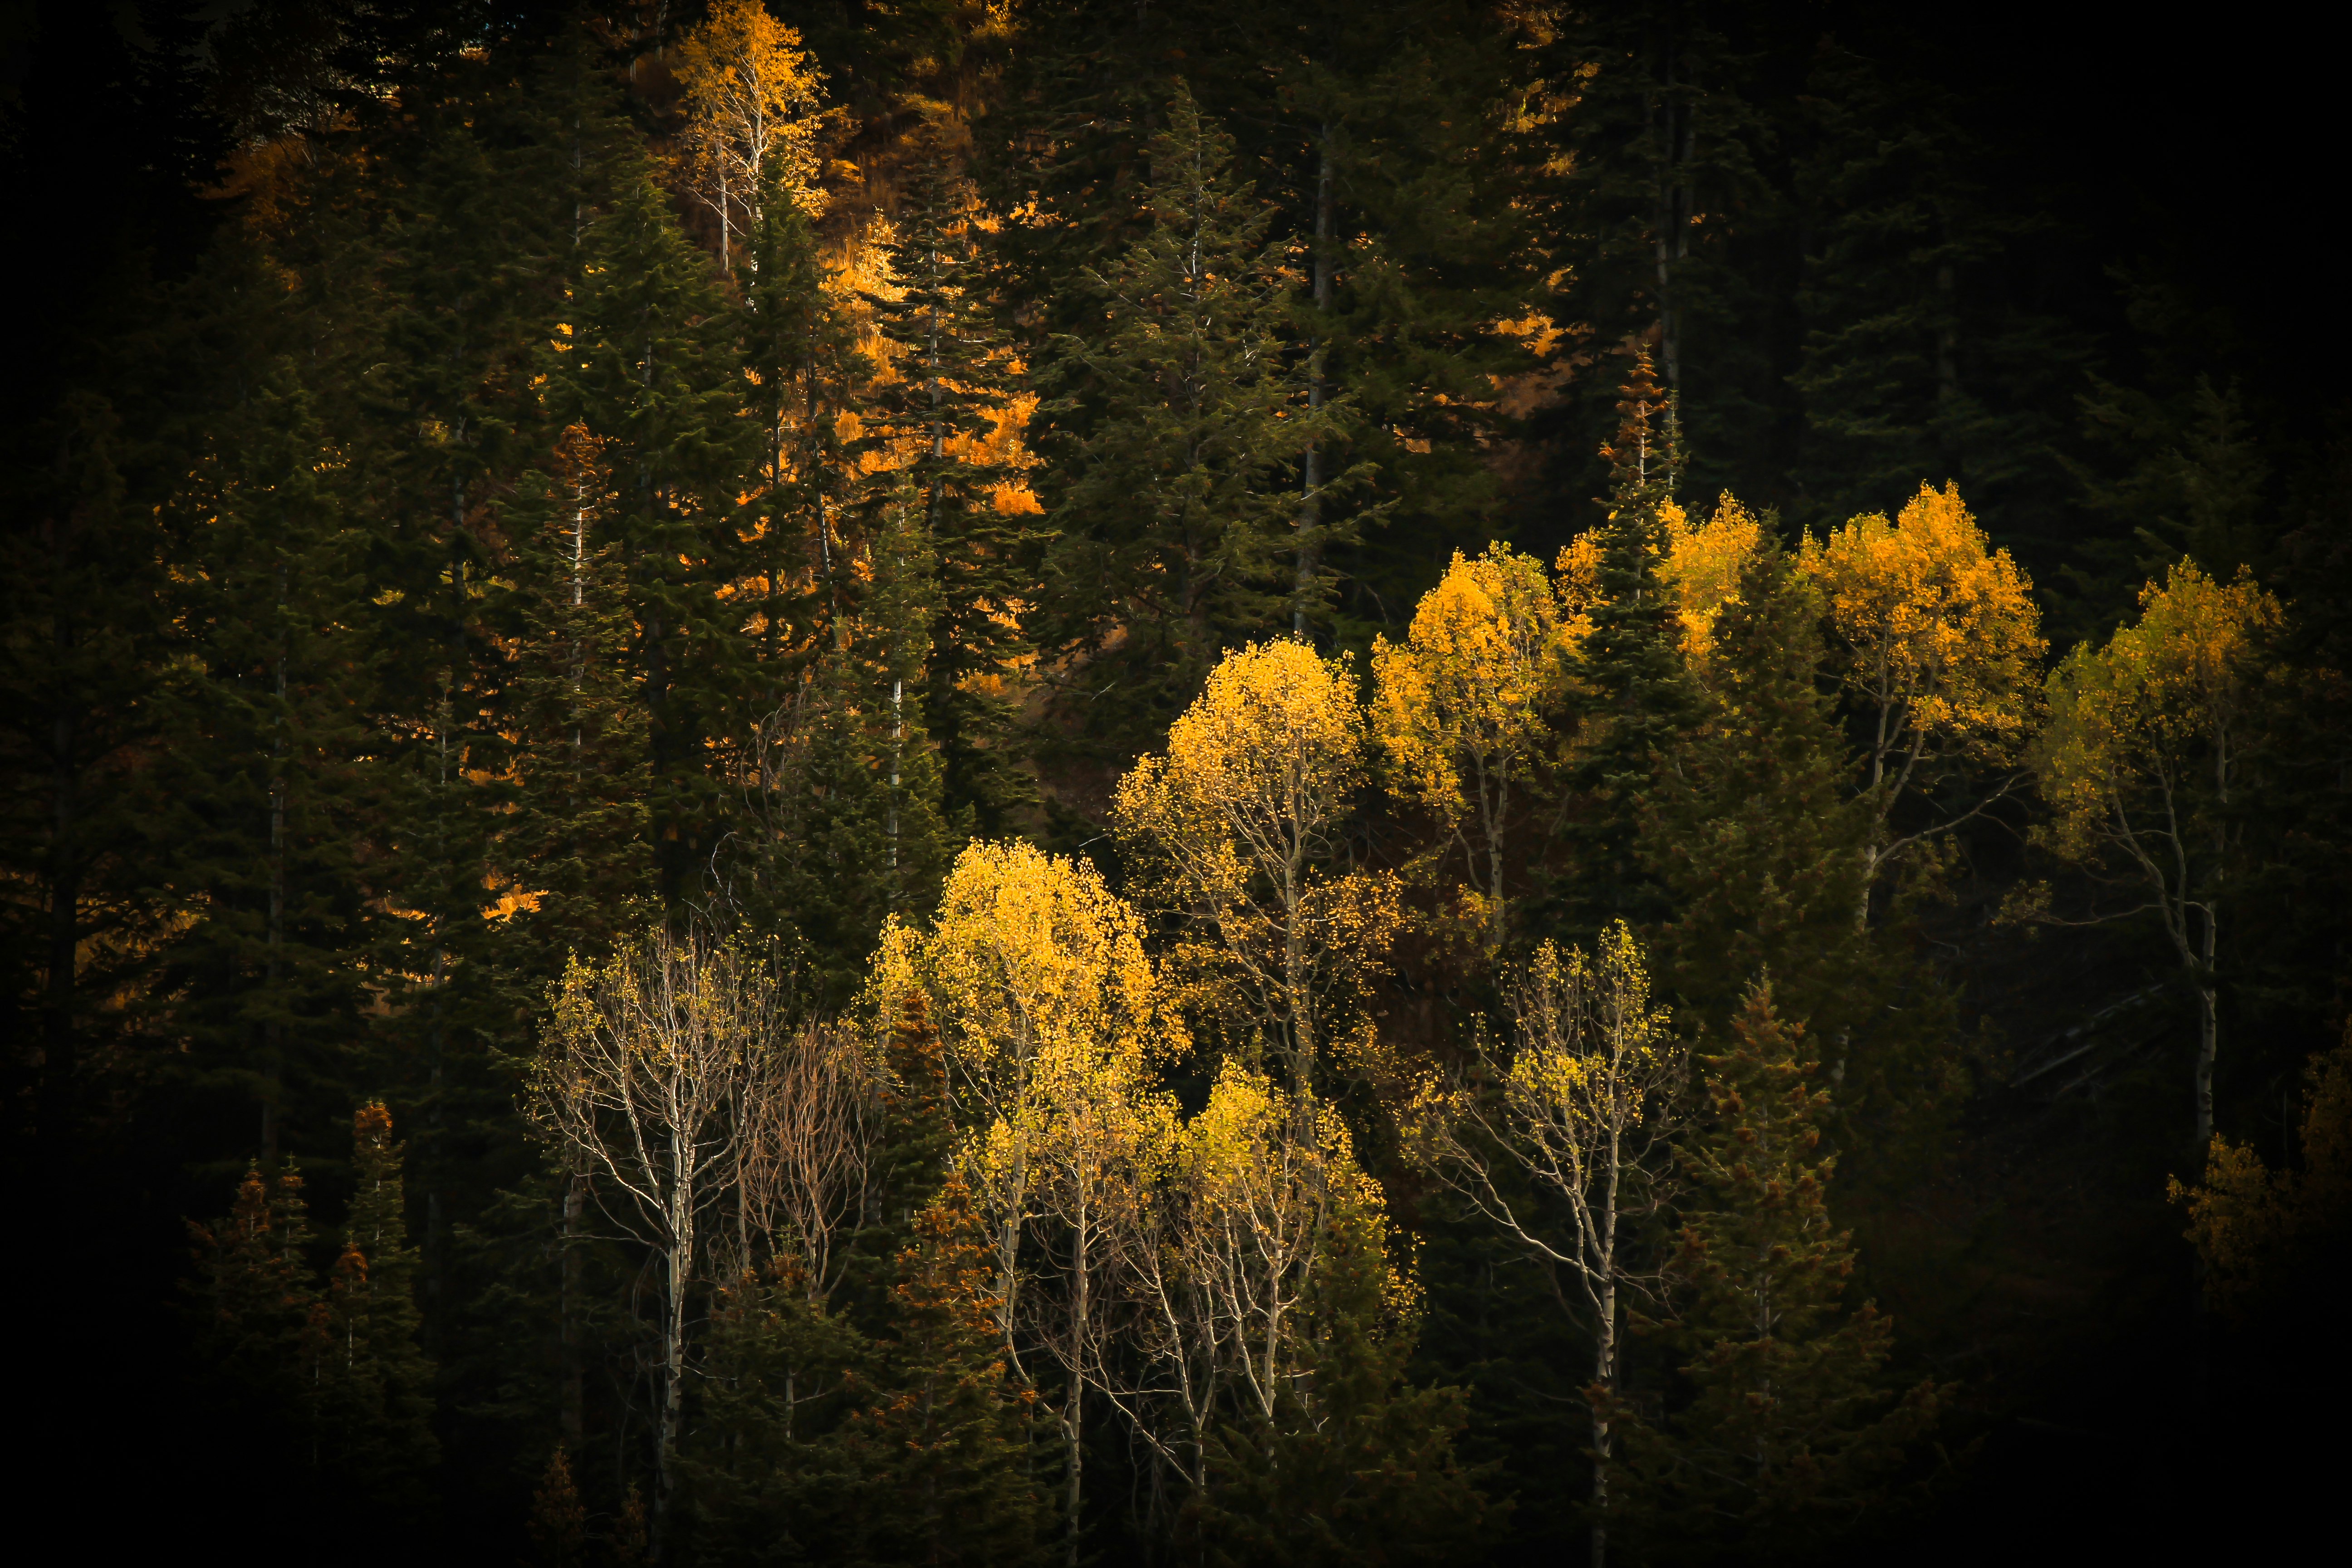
(1917, 361)
(933, 422)
(949, 1430)
(1780, 1433)
(376, 1404)
(1753, 831)
(267, 793)
(644, 368)
(1176, 435)
(257, 1302)
(1632, 696)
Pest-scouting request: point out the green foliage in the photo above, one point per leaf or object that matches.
(1632, 696)
(1781, 1433)
(1358, 1466)
(938, 417)
(1179, 416)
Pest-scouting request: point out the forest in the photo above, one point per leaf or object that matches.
(887, 781)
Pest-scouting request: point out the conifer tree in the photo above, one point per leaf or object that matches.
(644, 370)
(1633, 697)
(1178, 428)
(950, 1432)
(1754, 831)
(377, 1386)
(933, 421)
(1780, 1433)
(255, 1297)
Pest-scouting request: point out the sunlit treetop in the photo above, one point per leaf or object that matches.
(2136, 719)
(1485, 655)
(1033, 965)
(1943, 642)
(1264, 760)
(1704, 566)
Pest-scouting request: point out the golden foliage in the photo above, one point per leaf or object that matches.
(1460, 705)
(751, 94)
(1235, 821)
(2244, 1217)
(1704, 564)
(1941, 636)
(2124, 719)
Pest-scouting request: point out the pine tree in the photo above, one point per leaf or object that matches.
(558, 1523)
(254, 1294)
(645, 370)
(1633, 698)
(1781, 1433)
(934, 421)
(377, 1384)
(1177, 431)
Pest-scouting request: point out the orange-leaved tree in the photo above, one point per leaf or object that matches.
(751, 115)
(1941, 647)
(2144, 759)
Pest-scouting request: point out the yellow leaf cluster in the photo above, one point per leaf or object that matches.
(1941, 634)
(1033, 966)
(1704, 564)
(1232, 826)
(1469, 685)
(2124, 717)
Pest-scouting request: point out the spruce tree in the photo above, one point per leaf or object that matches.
(931, 422)
(1177, 428)
(1919, 361)
(1633, 696)
(949, 1431)
(1752, 831)
(1781, 1433)
(377, 1387)
(646, 370)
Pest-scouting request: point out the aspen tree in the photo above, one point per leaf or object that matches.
(2147, 741)
(641, 1079)
(1583, 1114)
(1462, 706)
(1239, 823)
(1050, 1016)
(1941, 651)
(751, 106)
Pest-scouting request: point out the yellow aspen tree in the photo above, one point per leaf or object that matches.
(1236, 824)
(1218, 1258)
(1050, 1018)
(1941, 649)
(1583, 1119)
(1461, 705)
(2145, 750)
(751, 96)
(641, 1083)
(1704, 566)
